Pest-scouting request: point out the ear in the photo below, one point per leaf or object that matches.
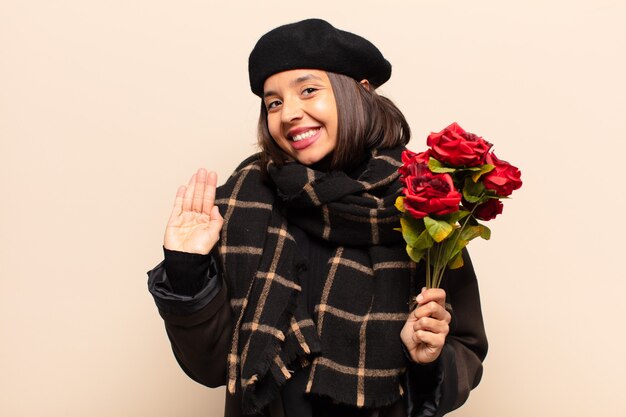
(365, 84)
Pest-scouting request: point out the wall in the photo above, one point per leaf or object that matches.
(107, 106)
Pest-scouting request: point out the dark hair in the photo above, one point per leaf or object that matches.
(365, 121)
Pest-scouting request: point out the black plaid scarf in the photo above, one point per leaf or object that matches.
(352, 341)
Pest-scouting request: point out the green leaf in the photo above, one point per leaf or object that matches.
(492, 194)
(424, 241)
(486, 232)
(471, 232)
(453, 218)
(473, 191)
(415, 254)
(483, 170)
(400, 204)
(457, 261)
(459, 244)
(438, 167)
(411, 229)
(438, 229)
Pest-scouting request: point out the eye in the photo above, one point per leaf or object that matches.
(308, 91)
(273, 104)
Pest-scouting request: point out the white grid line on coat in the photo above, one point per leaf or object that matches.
(350, 370)
(295, 329)
(390, 219)
(374, 225)
(335, 260)
(372, 185)
(279, 279)
(389, 160)
(360, 397)
(337, 312)
(244, 250)
(326, 214)
(392, 265)
(269, 279)
(279, 362)
(308, 188)
(277, 230)
(244, 204)
(233, 357)
(355, 265)
(255, 327)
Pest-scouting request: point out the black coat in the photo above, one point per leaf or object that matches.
(199, 327)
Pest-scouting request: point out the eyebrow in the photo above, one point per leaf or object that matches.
(294, 83)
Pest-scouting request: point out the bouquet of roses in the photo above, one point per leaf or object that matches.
(447, 190)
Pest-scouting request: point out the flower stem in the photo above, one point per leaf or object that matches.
(428, 269)
(441, 264)
(436, 266)
(439, 277)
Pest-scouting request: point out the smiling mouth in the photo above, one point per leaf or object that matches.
(304, 135)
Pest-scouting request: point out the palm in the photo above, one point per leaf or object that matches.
(195, 223)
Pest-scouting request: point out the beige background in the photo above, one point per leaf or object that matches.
(107, 106)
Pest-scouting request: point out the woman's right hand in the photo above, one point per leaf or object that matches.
(195, 223)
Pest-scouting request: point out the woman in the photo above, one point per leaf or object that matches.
(289, 284)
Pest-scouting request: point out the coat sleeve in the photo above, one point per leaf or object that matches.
(437, 389)
(198, 326)
(197, 316)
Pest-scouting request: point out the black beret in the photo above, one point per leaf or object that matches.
(315, 44)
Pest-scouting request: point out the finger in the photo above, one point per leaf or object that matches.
(209, 193)
(432, 309)
(433, 340)
(215, 215)
(431, 325)
(178, 201)
(198, 192)
(188, 197)
(437, 295)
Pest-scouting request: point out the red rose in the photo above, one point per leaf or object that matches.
(427, 193)
(456, 147)
(488, 210)
(411, 158)
(504, 178)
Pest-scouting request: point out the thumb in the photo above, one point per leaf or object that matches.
(215, 224)
(215, 215)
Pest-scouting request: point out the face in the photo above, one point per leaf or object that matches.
(302, 113)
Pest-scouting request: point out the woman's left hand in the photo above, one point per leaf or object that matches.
(425, 331)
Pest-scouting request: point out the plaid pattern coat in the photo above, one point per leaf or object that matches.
(266, 344)
(352, 339)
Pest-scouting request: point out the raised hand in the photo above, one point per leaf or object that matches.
(195, 223)
(425, 331)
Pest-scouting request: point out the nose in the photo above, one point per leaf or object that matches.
(291, 110)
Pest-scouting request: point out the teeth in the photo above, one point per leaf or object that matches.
(305, 135)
